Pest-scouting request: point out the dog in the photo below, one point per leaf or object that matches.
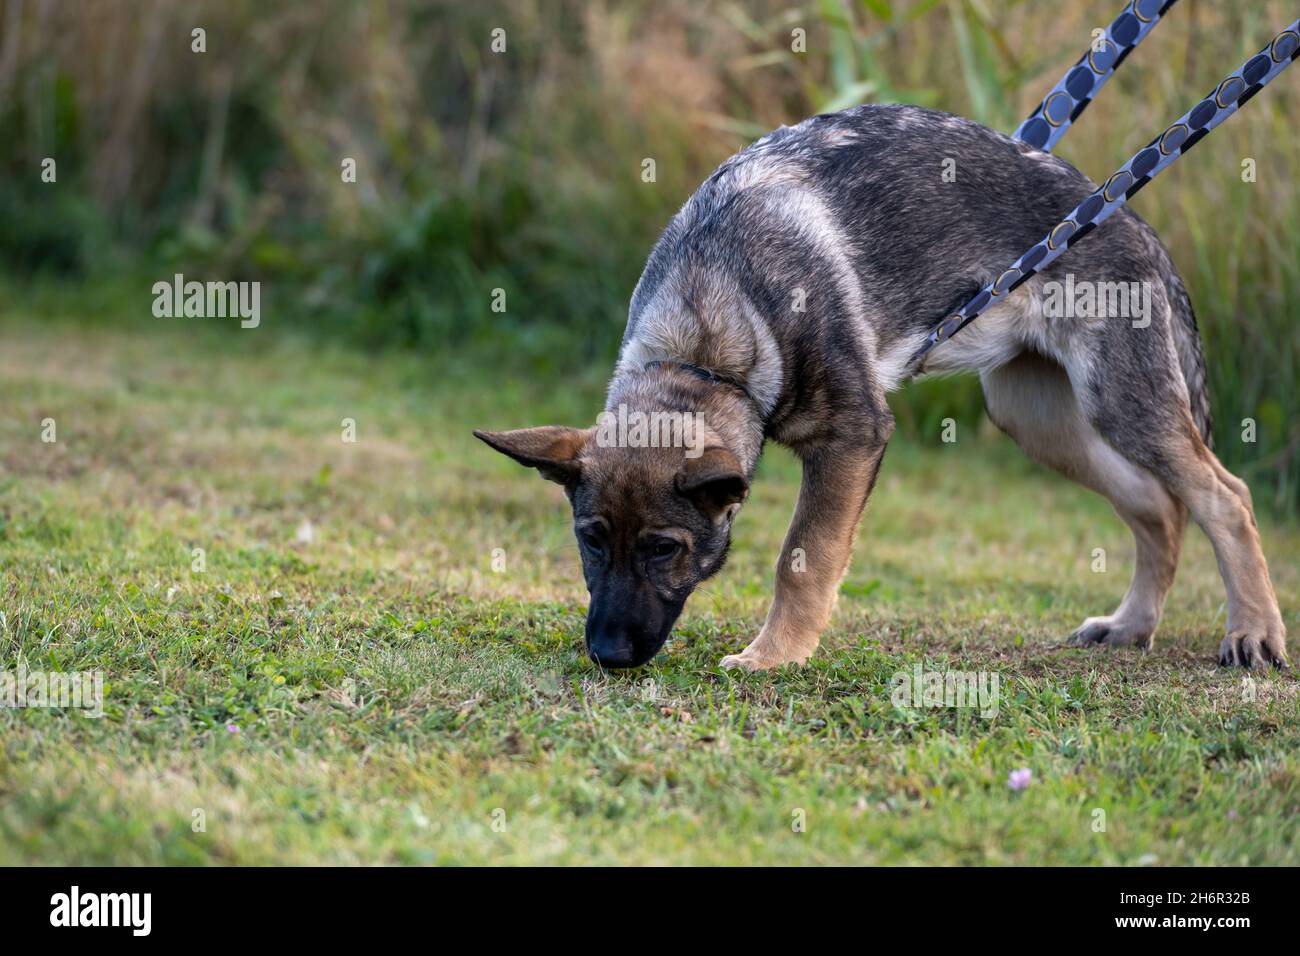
(791, 294)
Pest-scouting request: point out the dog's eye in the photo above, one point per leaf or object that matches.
(591, 540)
(664, 548)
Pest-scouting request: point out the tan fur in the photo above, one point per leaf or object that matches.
(837, 481)
(1220, 503)
(1031, 399)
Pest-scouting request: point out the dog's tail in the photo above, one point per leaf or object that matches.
(1187, 339)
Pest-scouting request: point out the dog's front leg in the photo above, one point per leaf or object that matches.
(836, 483)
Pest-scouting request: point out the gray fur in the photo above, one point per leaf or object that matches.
(852, 208)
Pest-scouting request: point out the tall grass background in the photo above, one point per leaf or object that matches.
(522, 170)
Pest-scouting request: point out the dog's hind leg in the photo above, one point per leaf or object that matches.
(1221, 505)
(1255, 635)
(1132, 391)
(1032, 400)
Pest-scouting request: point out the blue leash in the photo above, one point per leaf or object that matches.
(1188, 130)
(1072, 94)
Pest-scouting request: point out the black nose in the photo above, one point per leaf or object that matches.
(613, 651)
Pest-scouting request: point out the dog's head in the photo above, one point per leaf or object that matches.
(651, 523)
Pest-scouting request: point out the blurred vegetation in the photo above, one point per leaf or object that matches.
(522, 170)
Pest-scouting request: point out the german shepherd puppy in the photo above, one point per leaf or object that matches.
(790, 296)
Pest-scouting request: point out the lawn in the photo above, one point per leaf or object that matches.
(374, 656)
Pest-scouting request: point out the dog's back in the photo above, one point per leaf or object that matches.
(844, 239)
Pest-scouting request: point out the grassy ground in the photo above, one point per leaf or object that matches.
(349, 680)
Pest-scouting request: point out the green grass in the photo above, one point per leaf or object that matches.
(391, 691)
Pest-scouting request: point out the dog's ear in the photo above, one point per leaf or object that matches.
(715, 481)
(552, 449)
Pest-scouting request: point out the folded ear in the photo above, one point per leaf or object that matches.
(715, 481)
(551, 449)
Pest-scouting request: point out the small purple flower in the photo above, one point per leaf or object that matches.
(1019, 779)
(232, 728)
(1232, 814)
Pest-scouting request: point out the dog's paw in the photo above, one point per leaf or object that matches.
(1254, 648)
(733, 661)
(749, 660)
(1113, 631)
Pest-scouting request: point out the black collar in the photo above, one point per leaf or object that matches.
(705, 374)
